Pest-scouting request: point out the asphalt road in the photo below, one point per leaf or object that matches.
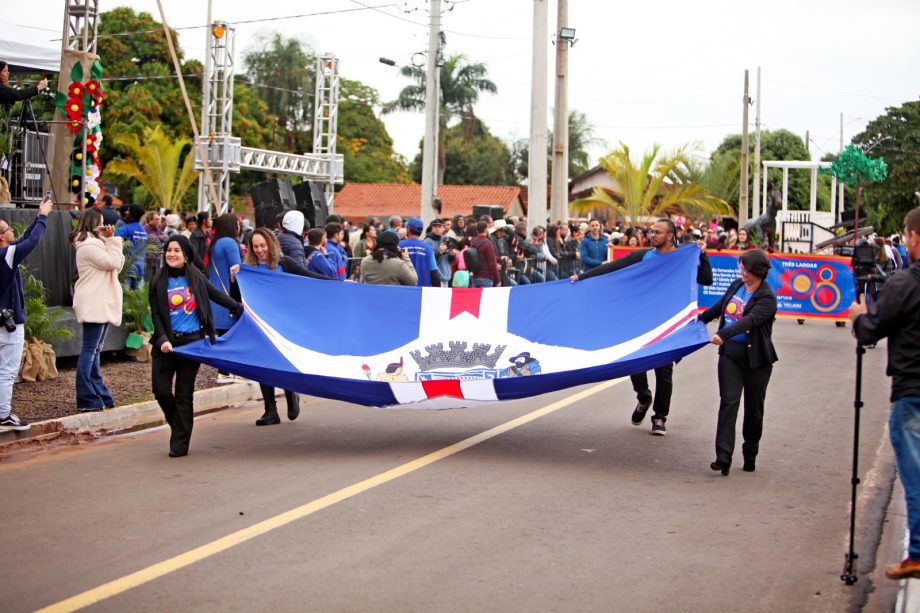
(574, 510)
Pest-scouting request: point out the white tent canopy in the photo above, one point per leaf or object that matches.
(26, 48)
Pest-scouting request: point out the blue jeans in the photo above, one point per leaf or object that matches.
(91, 391)
(478, 282)
(10, 361)
(904, 428)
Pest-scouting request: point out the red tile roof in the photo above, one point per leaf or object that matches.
(358, 201)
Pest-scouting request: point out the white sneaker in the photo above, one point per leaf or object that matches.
(13, 422)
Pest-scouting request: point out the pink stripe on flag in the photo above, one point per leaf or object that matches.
(675, 326)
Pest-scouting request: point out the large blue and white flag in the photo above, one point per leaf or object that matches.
(425, 347)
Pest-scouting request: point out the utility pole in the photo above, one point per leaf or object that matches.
(807, 142)
(757, 151)
(432, 108)
(536, 163)
(840, 184)
(559, 201)
(204, 203)
(743, 187)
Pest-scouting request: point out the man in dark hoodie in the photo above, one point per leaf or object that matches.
(896, 316)
(291, 236)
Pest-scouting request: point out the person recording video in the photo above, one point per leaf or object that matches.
(896, 316)
(8, 95)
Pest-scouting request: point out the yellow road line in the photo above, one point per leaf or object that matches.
(155, 571)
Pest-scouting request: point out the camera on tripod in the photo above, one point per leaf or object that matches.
(6, 317)
(863, 259)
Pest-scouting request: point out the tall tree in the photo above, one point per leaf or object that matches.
(481, 160)
(780, 145)
(363, 139)
(897, 132)
(855, 169)
(283, 71)
(460, 82)
(581, 138)
(163, 166)
(648, 189)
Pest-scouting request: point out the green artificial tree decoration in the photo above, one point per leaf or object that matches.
(856, 169)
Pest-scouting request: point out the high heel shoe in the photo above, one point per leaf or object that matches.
(724, 468)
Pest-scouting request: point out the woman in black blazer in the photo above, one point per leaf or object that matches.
(746, 312)
(179, 297)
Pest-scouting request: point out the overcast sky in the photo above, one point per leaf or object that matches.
(668, 72)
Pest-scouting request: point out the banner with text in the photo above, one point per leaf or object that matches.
(806, 286)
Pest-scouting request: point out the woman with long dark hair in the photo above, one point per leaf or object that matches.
(387, 264)
(223, 262)
(97, 301)
(746, 355)
(264, 251)
(180, 299)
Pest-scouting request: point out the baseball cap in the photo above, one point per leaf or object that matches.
(415, 224)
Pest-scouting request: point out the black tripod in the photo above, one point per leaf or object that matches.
(849, 566)
(28, 114)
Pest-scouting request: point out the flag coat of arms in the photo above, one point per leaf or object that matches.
(426, 347)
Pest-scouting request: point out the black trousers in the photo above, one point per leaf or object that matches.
(268, 397)
(173, 378)
(737, 376)
(664, 378)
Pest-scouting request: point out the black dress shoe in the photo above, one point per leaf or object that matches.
(178, 454)
(749, 466)
(724, 468)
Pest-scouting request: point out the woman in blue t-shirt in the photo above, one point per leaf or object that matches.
(224, 255)
(264, 251)
(180, 305)
(746, 312)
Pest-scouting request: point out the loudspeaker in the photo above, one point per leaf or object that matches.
(270, 199)
(495, 212)
(311, 200)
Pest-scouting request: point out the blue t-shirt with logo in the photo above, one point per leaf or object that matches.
(183, 307)
(422, 257)
(734, 309)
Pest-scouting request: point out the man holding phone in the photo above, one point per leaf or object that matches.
(13, 308)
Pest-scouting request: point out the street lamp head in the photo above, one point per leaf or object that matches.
(387, 61)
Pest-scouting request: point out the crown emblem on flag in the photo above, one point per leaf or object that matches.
(458, 356)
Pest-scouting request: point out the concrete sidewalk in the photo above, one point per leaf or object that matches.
(128, 417)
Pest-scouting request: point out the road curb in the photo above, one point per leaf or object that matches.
(132, 416)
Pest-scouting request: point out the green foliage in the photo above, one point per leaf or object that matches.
(659, 182)
(853, 167)
(135, 310)
(581, 138)
(41, 323)
(460, 84)
(164, 167)
(778, 145)
(481, 160)
(363, 139)
(284, 69)
(887, 202)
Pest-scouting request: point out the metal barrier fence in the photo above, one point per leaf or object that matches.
(525, 271)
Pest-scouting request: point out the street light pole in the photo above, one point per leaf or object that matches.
(432, 108)
(536, 163)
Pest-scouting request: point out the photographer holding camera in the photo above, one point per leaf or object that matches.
(13, 308)
(896, 315)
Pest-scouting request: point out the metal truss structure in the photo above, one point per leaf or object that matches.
(80, 26)
(225, 152)
(326, 117)
(221, 149)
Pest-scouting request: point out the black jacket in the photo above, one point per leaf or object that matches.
(896, 315)
(200, 287)
(9, 95)
(199, 242)
(756, 321)
(703, 272)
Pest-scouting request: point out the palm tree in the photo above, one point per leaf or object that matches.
(156, 163)
(659, 182)
(461, 84)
